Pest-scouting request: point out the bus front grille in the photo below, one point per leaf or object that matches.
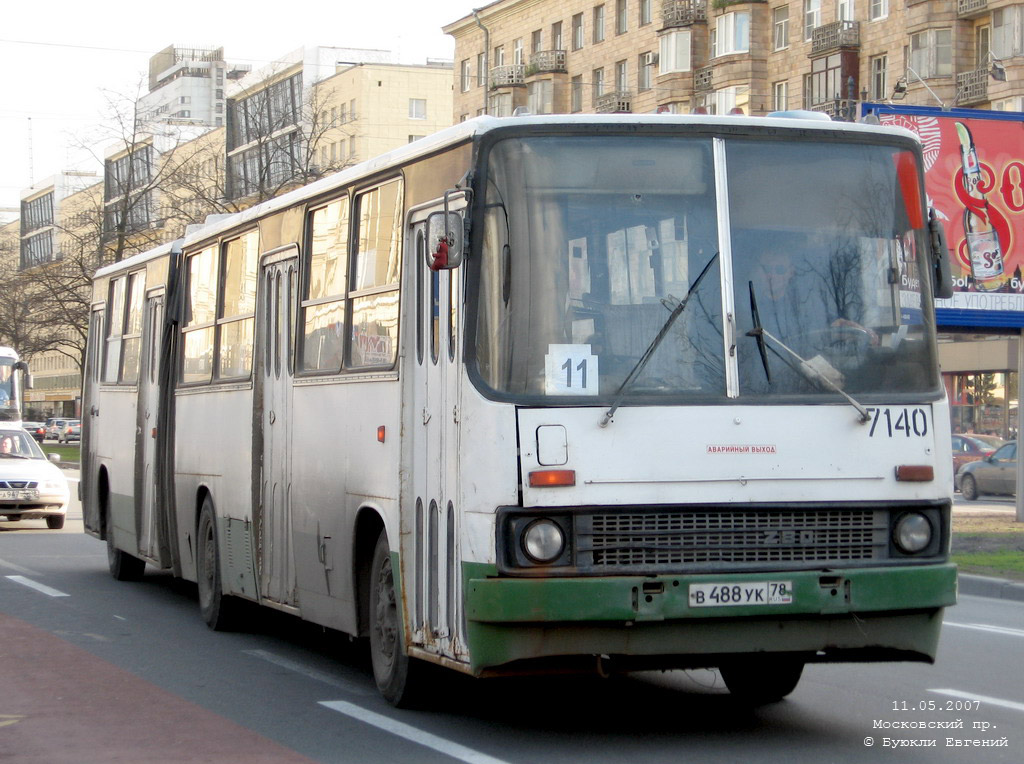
(652, 540)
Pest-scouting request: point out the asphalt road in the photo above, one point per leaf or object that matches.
(92, 670)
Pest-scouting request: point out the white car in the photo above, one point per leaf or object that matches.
(31, 486)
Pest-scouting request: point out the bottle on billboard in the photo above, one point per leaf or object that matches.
(983, 248)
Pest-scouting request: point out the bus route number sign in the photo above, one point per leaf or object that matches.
(570, 370)
(744, 593)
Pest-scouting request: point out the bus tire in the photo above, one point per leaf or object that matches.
(395, 673)
(123, 566)
(217, 609)
(763, 679)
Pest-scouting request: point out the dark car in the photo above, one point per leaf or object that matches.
(36, 429)
(995, 474)
(968, 448)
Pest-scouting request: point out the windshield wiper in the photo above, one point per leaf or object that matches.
(15, 456)
(816, 369)
(642, 362)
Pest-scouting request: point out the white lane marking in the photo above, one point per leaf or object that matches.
(986, 627)
(426, 739)
(12, 566)
(312, 673)
(1011, 704)
(38, 586)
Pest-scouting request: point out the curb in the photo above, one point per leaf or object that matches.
(998, 588)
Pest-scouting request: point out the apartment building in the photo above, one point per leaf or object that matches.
(719, 56)
(320, 109)
(188, 86)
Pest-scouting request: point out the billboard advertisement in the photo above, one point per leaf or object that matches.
(974, 179)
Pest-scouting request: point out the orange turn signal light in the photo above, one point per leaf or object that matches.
(380, 434)
(552, 478)
(915, 473)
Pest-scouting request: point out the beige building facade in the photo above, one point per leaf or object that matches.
(719, 56)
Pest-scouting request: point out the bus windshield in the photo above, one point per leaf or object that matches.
(815, 251)
(9, 398)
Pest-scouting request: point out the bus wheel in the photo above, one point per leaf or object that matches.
(395, 673)
(123, 566)
(216, 608)
(763, 679)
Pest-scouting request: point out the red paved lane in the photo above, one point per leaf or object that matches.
(59, 704)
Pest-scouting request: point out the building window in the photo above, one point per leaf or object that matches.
(536, 41)
(982, 46)
(499, 56)
(931, 53)
(465, 75)
(621, 17)
(1007, 31)
(37, 213)
(780, 27)
(826, 79)
(597, 83)
(879, 80)
(674, 54)
(517, 52)
(645, 12)
(645, 71)
(539, 97)
(481, 69)
(577, 31)
(780, 96)
(733, 99)
(879, 9)
(417, 108)
(556, 36)
(576, 94)
(599, 23)
(731, 35)
(844, 10)
(812, 17)
(622, 76)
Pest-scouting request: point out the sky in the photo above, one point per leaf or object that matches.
(63, 62)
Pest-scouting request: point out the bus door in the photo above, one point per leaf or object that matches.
(147, 512)
(437, 610)
(273, 515)
(91, 422)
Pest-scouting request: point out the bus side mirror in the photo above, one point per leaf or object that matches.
(445, 235)
(942, 275)
(26, 377)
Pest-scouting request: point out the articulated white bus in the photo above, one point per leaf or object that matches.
(549, 393)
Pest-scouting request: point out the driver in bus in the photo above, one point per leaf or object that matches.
(5, 386)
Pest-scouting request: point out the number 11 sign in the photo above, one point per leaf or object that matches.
(570, 370)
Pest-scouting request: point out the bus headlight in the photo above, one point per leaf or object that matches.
(543, 541)
(913, 533)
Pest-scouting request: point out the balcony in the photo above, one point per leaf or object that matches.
(703, 79)
(683, 13)
(508, 76)
(831, 37)
(966, 9)
(615, 102)
(839, 109)
(972, 87)
(546, 61)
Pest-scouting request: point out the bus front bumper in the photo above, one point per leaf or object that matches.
(880, 613)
